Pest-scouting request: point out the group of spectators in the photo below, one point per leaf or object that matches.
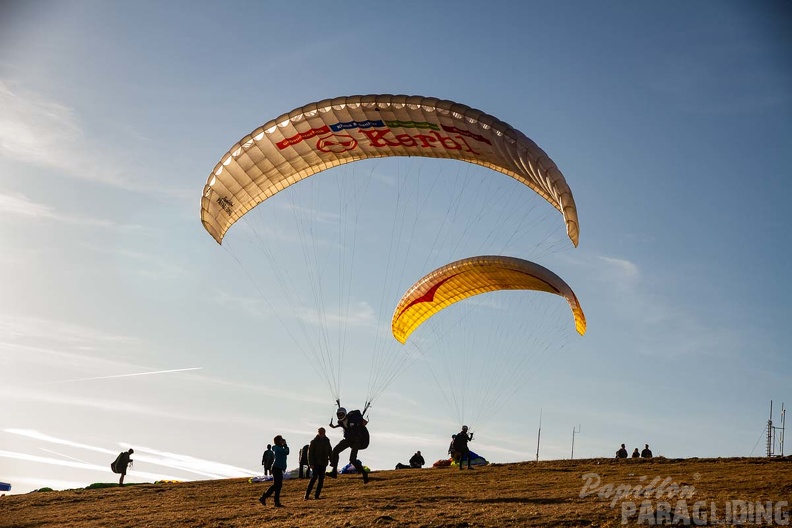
(646, 453)
(318, 455)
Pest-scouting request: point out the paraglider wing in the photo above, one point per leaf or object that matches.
(333, 132)
(473, 276)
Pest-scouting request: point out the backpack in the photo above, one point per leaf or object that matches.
(113, 464)
(460, 442)
(357, 431)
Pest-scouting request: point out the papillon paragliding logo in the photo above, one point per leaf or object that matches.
(336, 143)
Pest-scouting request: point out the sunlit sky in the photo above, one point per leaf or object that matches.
(124, 324)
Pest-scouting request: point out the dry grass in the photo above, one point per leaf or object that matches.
(521, 494)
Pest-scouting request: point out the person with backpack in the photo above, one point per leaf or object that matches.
(281, 450)
(461, 449)
(356, 437)
(121, 463)
(267, 459)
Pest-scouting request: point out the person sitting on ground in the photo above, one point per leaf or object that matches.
(121, 463)
(636, 454)
(621, 453)
(356, 437)
(461, 446)
(646, 453)
(417, 461)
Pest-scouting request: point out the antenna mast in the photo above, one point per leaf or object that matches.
(771, 433)
(539, 436)
(783, 425)
(574, 432)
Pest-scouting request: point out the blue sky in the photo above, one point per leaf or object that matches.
(671, 122)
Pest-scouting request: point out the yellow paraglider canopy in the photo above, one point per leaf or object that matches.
(472, 276)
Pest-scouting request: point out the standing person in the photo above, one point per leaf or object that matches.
(417, 461)
(267, 459)
(281, 450)
(121, 463)
(646, 453)
(305, 470)
(355, 437)
(319, 451)
(622, 452)
(461, 446)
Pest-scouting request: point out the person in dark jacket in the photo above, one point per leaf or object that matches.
(355, 437)
(451, 451)
(636, 454)
(319, 451)
(461, 449)
(646, 453)
(267, 459)
(121, 463)
(622, 452)
(304, 470)
(281, 450)
(417, 461)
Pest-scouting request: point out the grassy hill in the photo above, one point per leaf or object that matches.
(553, 493)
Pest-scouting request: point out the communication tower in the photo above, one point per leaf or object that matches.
(775, 434)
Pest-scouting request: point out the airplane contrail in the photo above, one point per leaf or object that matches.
(122, 375)
(65, 456)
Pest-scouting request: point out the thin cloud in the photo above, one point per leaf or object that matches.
(55, 357)
(58, 344)
(43, 132)
(168, 459)
(80, 465)
(123, 375)
(19, 205)
(40, 131)
(190, 463)
(113, 406)
(20, 395)
(62, 455)
(22, 327)
(264, 390)
(620, 269)
(646, 315)
(360, 313)
(148, 265)
(36, 483)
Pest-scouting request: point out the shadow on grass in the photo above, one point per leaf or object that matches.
(518, 500)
